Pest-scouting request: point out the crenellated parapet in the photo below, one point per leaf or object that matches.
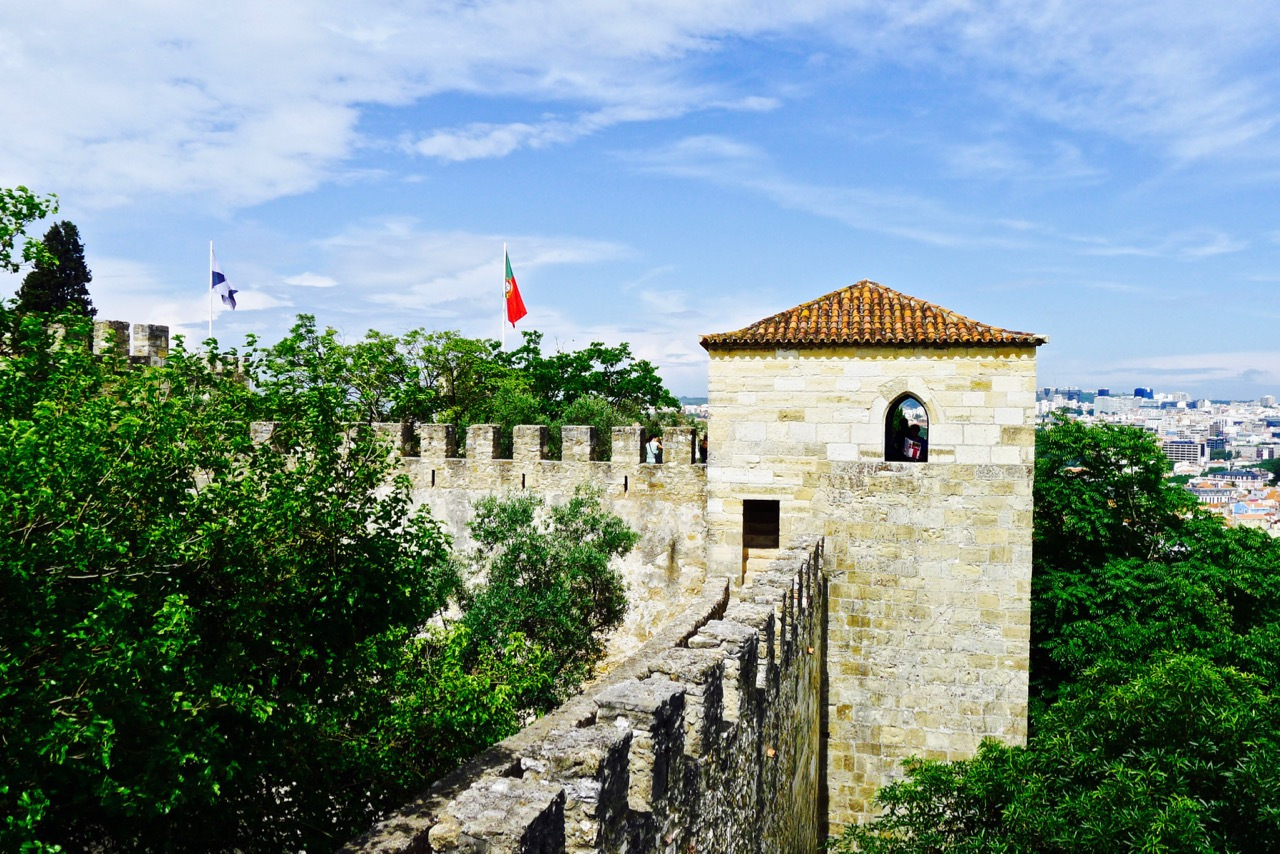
(665, 503)
(707, 740)
(145, 343)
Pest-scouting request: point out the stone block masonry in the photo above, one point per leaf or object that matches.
(150, 343)
(930, 563)
(664, 503)
(706, 740)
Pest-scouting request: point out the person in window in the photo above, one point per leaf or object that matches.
(653, 450)
(915, 447)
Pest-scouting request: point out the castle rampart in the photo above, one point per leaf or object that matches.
(663, 502)
(707, 740)
(148, 344)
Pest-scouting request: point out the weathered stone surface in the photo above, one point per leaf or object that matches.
(645, 761)
(771, 720)
(503, 815)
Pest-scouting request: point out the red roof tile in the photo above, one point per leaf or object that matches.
(869, 314)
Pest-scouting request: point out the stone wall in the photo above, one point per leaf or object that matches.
(149, 344)
(706, 740)
(930, 562)
(663, 502)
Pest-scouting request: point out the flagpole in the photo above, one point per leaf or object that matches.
(503, 314)
(210, 280)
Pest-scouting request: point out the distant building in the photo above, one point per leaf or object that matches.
(1104, 392)
(1239, 477)
(1267, 400)
(1146, 393)
(1213, 494)
(1185, 451)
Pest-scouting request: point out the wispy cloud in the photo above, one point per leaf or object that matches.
(727, 162)
(252, 102)
(1195, 369)
(311, 280)
(482, 140)
(1184, 245)
(1178, 75)
(1003, 160)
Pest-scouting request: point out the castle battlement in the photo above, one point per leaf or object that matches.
(681, 748)
(144, 343)
(665, 503)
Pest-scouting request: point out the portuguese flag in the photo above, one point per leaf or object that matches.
(515, 305)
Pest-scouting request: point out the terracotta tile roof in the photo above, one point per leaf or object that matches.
(869, 314)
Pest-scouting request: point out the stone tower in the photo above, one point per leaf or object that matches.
(903, 433)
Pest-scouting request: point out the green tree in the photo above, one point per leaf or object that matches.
(201, 617)
(60, 281)
(630, 385)
(1273, 467)
(19, 207)
(215, 644)
(1100, 495)
(546, 579)
(443, 377)
(1180, 758)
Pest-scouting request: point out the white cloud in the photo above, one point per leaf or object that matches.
(481, 140)
(1187, 245)
(730, 163)
(1211, 369)
(1175, 73)
(245, 102)
(1003, 160)
(311, 280)
(451, 275)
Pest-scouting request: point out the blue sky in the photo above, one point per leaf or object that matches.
(1102, 173)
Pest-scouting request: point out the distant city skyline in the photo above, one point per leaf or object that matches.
(1117, 391)
(1103, 175)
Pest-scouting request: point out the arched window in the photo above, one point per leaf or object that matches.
(906, 431)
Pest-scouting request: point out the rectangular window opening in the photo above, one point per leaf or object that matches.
(759, 524)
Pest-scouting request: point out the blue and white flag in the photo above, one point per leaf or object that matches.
(219, 282)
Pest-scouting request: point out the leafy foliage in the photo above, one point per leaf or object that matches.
(546, 580)
(1100, 493)
(442, 377)
(214, 644)
(1183, 757)
(1155, 666)
(19, 207)
(60, 281)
